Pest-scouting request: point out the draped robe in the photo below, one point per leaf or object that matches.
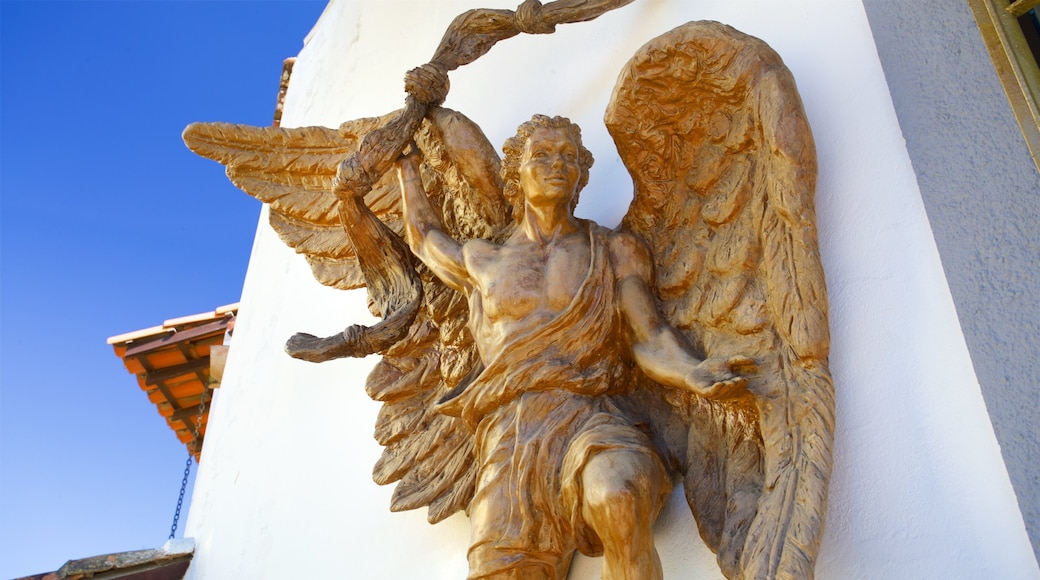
(540, 409)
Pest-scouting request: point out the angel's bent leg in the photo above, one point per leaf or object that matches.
(623, 492)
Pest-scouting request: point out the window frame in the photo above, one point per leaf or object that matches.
(1015, 65)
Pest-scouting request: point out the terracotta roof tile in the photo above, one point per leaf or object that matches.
(172, 364)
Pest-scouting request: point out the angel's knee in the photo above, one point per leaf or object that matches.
(621, 492)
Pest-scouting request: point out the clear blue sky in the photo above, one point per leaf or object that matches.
(109, 224)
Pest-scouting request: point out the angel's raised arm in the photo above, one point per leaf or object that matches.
(424, 230)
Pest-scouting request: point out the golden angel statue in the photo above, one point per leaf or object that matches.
(552, 377)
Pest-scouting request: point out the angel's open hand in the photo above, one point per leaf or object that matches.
(721, 377)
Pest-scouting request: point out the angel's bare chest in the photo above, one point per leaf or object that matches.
(521, 280)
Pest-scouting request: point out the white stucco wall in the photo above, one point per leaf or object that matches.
(981, 189)
(919, 489)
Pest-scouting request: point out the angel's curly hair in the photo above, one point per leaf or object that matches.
(514, 151)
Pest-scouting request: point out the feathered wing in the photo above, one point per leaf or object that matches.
(429, 454)
(709, 123)
(292, 169)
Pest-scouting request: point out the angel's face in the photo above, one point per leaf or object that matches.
(549, 169)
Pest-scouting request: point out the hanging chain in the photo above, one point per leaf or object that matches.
(187, 464)
(180, 498)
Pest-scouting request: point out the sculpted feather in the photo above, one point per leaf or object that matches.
(724, 181)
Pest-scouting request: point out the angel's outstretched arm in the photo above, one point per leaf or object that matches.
(658, 349)
(424, 230)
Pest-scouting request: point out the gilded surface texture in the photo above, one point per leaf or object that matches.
(550, 376)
